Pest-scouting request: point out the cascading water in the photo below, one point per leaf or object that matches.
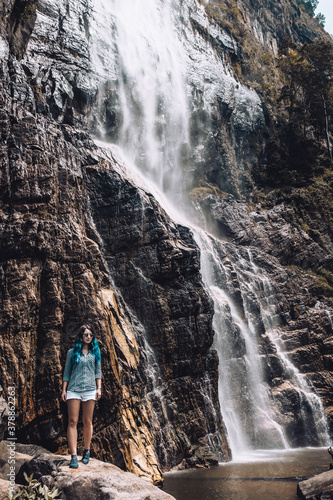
(245, 318)
(151, 97)
(156, 74)
(151, 91)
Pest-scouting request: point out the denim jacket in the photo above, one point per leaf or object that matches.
(82, 376)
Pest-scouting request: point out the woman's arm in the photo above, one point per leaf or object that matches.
(98, 379)
(64, 391)
(98, 388)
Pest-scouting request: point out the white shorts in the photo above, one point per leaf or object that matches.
(82, 396)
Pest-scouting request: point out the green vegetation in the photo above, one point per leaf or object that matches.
(309, 6)
(206, 189)
(301, 148)
(227, 16)
(321, 19)
(35, 491)
(308, 88)
(320, 284)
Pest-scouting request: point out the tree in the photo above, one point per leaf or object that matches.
(319, 87)
(321, 19)
(309, 6)
(308, 92)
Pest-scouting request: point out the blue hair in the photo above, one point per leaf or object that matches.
(93, 346)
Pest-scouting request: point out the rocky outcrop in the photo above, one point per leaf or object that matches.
(271, 22)
(276, 228)
(95, 480)
(13, 456)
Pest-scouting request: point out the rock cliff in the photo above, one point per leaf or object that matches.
(80, 240)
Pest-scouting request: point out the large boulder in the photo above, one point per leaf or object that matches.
(95, 480)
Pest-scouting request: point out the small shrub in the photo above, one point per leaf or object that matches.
(35, 491)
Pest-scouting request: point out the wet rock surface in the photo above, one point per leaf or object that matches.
(155, 264)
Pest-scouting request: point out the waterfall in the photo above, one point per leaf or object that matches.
(151, 99)
(246, 317)
(154, 67)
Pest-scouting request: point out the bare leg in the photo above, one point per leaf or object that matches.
(73, 406)
(87, 416)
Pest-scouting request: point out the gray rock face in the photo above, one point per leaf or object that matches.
(275, 231)
(270, 22)
(57, 61)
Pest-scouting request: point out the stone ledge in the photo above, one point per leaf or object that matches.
(95, 480)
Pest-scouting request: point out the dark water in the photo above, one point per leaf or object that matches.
(261, 475)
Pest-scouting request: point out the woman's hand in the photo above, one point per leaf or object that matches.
(98, 393)
(64, 395)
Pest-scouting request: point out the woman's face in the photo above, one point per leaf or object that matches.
(87, 336)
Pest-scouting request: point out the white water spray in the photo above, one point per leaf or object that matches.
(151, 96)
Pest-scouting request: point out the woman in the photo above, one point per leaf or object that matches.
(82, 382)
